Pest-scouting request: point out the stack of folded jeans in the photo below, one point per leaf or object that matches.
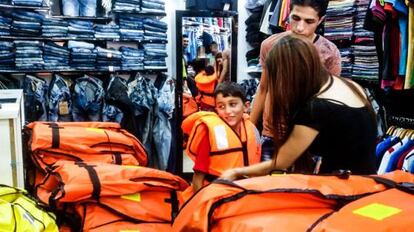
(35, 98)
(132, 58)
(26, 23)
(81, 29)
(87, 99)
(155, 29)
(6, 55)
(153, 6)
(54, 28)
(127, 5)
(56, 57)
(108, 31)
(27, 2)
(29, 55)
(155, 56)
(132, 27)
(82, 58)
(60, 100)
(5, 25)
(108, 59)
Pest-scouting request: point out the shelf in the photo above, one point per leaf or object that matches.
(40, 8)
(79, 39)
(139, 13)
(82, 18)
(153, 71)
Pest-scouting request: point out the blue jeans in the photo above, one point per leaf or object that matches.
(79, 7)
(59, 98)
(87, 99)
(35, 92)
(268, 148)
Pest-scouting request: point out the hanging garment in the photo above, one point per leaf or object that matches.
(227, 149)
(83, 141)
(292, 202)
(60, 100)
(21, 213)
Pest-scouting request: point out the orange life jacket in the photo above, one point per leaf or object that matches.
(227, 149)
(146, 207)
(72, 182)
(206, 85)
(84, 141)
(292, 202)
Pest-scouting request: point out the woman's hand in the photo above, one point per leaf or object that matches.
(230, 175)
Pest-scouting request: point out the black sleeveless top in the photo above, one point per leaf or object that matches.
(347, 135)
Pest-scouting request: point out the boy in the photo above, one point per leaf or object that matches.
(222, 140)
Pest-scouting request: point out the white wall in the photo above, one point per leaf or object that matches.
(242, 45)
(170, 7)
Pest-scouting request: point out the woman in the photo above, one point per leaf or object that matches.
(314, 113)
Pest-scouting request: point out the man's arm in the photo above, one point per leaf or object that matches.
(259, 99)
(197, 182)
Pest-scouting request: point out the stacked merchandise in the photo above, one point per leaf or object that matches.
(340, 20)
(254, 37)
(34, 3)
(56, 57)
(108, 59)
(152, 6)
(6, 55)
(107, 31)
(155, 54)
(116, 194)
(29, 55)
(81, 29)
(5, 25)
(155, 29)
(132, 58)
(55, 28)
(26, 23)
(346, 58)
(131, 27)
(83, 55)
(127, 5)
(365, 56)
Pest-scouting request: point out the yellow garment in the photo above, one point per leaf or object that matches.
(20, 213)
(409, 74)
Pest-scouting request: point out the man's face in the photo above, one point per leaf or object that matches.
(304, 20)
(230, 109)
(185, 42)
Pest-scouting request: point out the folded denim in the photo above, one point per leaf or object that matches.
(36, 3)
(108, 53)
(151, 10)
(27, 16)
(80, 44)
(152, 5)
(156, 34)
(148, 27)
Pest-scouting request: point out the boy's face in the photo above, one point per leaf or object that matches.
(230, 109)
(304, 20)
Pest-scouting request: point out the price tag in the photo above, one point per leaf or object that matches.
(63, 108)
(226, 7)
(111, 68)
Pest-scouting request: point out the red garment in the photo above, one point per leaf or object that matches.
(202, 162)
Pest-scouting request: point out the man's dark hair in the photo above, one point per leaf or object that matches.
(230, 89)
(318, 5)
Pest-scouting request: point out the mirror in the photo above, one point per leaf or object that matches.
(203, 39)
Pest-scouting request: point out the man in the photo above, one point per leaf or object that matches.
(305, 17)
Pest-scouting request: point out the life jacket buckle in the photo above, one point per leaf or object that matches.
(343, 173)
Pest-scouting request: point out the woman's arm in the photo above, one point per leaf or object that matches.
(298, 141)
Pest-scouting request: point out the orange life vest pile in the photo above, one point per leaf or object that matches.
(94, 171)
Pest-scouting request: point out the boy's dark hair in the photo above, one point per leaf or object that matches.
(185, 36)
(318, 5)
(231, 89)
(213, 43)
(199, 64)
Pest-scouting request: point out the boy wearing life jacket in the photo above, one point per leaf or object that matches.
(222, 140)
(206, 82)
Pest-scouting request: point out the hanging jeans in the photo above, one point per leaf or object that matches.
(60, 102)
(79, 7)
(35, 91)
(87, 99)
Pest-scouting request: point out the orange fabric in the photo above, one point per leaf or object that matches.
(124, 226)
(84, 141)
(296, 201)
(145, 207)
(206, 85)
(71, 182)
(228, 152)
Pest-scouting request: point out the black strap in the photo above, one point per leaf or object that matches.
(210, 178)
(55, 135)
(207, 94)
(407, 187)
(224, 152)
(118, 158)
(245, 154)
(93, 175)
(174, 204)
